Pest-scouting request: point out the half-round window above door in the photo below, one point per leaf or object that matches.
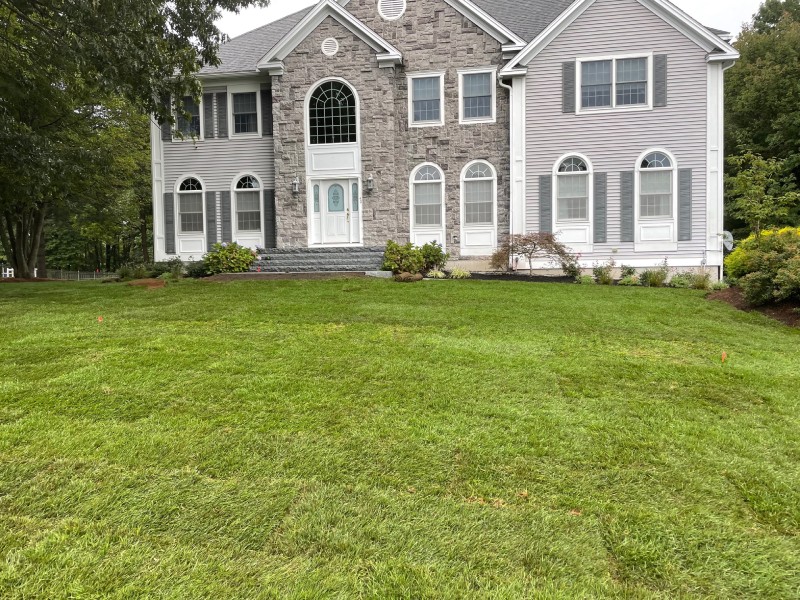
(391, 10)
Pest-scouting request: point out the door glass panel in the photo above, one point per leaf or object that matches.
(336, 198)
(316, 198)
(355, 197)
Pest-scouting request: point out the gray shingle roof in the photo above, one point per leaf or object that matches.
(526, 18)
(242, 53)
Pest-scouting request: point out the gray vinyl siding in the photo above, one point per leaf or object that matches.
(614, 140)
(218, 161)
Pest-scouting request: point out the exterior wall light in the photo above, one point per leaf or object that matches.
(370, 183)
(296, 186)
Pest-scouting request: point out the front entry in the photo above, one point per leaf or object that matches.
(336, 210)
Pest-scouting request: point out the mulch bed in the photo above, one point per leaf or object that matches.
(522, 277)
(785, 312)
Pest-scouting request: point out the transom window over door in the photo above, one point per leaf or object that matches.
(248, 204)
(427, 190)
(190, 206)
(572, 190)
(656, 192)
(332, 114)
(479, 194)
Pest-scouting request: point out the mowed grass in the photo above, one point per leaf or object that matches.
(365, 439)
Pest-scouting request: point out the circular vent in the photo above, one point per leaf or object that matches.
(330, 47)
(391, 9)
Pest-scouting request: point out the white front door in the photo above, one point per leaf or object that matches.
(336, 210)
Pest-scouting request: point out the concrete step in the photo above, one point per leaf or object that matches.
(343, 267)
(308, 260)
(343, 250)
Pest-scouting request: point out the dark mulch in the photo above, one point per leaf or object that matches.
(785, 312)
(523, 277)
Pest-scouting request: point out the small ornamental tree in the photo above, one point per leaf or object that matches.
(533, 246)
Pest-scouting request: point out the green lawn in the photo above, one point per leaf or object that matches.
(366, 439)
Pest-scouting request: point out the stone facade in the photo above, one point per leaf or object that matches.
(432, 36)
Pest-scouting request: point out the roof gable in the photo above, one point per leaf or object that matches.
(716, 48)
(272, 61)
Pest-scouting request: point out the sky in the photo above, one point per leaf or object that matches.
(721, 14)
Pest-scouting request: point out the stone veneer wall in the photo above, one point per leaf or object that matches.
(432, 36)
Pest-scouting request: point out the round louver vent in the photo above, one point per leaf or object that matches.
(391, 9)
(330, 47)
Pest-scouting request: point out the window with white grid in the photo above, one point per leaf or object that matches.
(614, 82)
(479, 192)
(477, 96)
(248, 204)
(572, 190)
(427, 196)
(245, 112)
(190, 205)
(332, 117)
(426, 99)
(656, 173)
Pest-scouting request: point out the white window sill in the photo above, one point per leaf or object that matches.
(477, 121)
(426, 124)
(253, 134)
(614, 109)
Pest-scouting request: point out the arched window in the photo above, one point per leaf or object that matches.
(479, 185)
(332, 114)
(248, 204)
(572, 190)
(656, 187)
(428, 193)
(190, 205)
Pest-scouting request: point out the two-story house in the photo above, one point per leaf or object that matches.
(354, 122)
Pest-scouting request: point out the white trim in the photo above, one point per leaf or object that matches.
(431, 229)
(388, 55)
(177, 200)
(244, 89)
(235, 206)
(587, 224)
(580, 110)
(157, 182)
(307, 122)
(670, 245)
(715, 162)
(387, 18)
(425, 75)
(492, 72)
(477, 227)
(483, 20)
(661, 8)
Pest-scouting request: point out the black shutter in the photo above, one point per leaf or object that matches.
(225, 209)
(166, 127)
(684, 205)
(211, 219)
(546, 203)
(568, 87)
(169, 223)
(626, 206)
(208, 115)
(270, 230)
(222, 114)
(266, 112)
(660, 80)
(600, 208)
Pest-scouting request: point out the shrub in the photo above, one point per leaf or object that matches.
(437, 274)
(585, 280)
(535, 246)
(140, 272)
(197, 269)
(681, 280)
(228, 258)
(125, 272)
(720, 285)
(655, 277)
(701, 280)
(402, 259)
(433, 256)
(603, 272)
(501, 258)
(173, 266)
(460, 274)
(767, 266)
(626, 271)
(629, 281)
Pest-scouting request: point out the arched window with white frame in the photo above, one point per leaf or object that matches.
(190, 206)
(427, 204)
(656, 186)
(573, 201)
(478, 208)
(332, 114)
(248, 204)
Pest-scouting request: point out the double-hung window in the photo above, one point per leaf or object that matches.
(656, 193)
(190, 206)
(245, 112)
(189, 127)
(426, 95)
(615, 83)
(572, 190)
(477, 97)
